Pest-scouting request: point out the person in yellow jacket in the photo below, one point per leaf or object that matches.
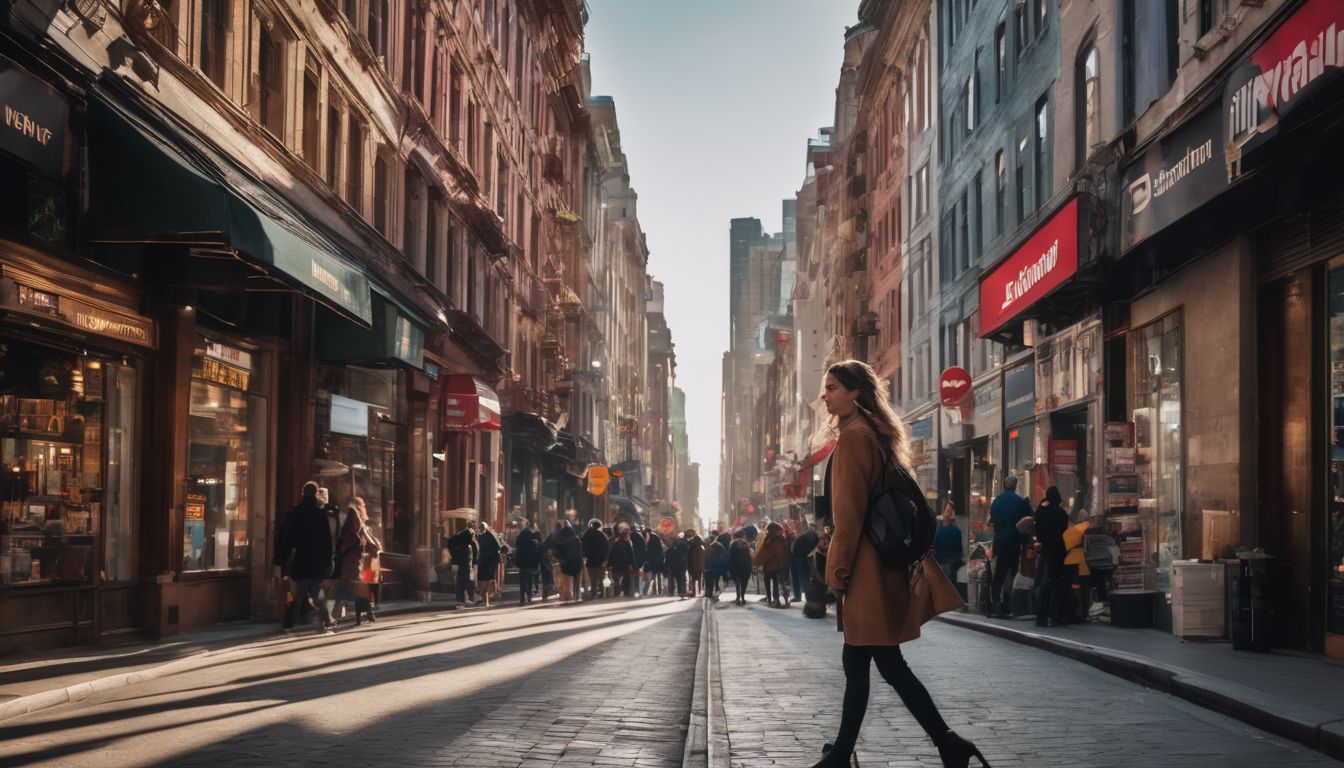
(1075, 569)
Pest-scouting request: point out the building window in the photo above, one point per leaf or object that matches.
(1334, 578)
(226, 454)
(1000, 190)
(312, 118)
(968, 103)
(1042, 16)
(455, 106)
(268, 92)
(432, 255)
(1155, 353)
(977, 221)
(1001, 62)
(1088, 131)
(354, 165)
(334, 121)
(1021, 180)
(377, 29)
(212, 37)
(1022, 22)
(964, 232)
(380, 198)
(1042, 154)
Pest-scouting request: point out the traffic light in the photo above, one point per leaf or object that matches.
(598, 477)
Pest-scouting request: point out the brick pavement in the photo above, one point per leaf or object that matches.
(782, 686)
(536, 687)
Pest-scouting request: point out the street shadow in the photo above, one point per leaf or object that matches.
(287, 742)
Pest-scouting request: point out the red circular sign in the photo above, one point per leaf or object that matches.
(953, 386)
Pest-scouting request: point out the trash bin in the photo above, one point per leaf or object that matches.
(1252, 608)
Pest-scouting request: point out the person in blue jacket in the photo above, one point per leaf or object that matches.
(1004, 514)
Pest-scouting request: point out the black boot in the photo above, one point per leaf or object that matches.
(832, 758)
(957, 751)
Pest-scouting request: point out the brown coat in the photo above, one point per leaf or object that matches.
(880, 608)
(773, 554)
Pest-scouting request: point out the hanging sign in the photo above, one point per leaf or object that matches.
(1043, 263)
(953, 386)
(32, 119)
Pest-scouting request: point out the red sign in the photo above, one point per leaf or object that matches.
(1047, 259)
(953, 386)
(1306, 48)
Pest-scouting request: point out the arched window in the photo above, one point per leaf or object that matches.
(1088, 129)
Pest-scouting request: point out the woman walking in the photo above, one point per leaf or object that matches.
(354, 541)
(878, 608)
(772, 558)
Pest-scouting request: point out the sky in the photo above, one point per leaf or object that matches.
(715, 100)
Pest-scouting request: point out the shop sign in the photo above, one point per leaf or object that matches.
(1019, 393)
(349, 417)
(1175, 176)
(70, 311)
(1044, 262)
(34, 116)
(953, 386)
(212, 370)
(1063, 457)
(238, 358)
(1305, 51)
(988, 406)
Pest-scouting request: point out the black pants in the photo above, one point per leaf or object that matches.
(740, 581)
(891, 665)
(679, 582)
(527, 578)
(1051, 595)
(466, 587)
(1005, 568)
(711, 583)
(772, 586)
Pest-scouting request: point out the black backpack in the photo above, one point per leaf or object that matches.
(899, 523)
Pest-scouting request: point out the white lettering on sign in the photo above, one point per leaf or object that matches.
(26, 126)
(955, 383)
(1030, 275)
(1143, 190)
(324, 276)
(1254, 107)
(110, 327)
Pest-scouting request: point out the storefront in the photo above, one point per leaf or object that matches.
(72, 364)
(1022, 451)
(971, 452)
(1068, 369)
(470, 421)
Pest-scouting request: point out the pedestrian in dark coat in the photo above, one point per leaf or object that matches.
(716, 562)
(637, 544)
(462, 549)
(489, 562)
(1004, 514)
(800, 559)
(653, 562)
(527, 556)
(772, 557)
(621, 562)
(547, 566)
(596, 549)
(674, 562)
(307, 549)
(569, 553)
(695, 561)
(739, 565)
(1051, 522)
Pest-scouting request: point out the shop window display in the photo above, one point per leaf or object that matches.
(53, 482)
(1155, 368)
(226, 454)
(1334, 615)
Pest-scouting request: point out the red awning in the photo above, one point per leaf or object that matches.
(468, 403)
(798, 488)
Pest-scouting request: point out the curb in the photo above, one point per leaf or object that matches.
(1319, 730)
(707, 733)
(26, 705)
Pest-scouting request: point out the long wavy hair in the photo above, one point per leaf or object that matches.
(874, 405)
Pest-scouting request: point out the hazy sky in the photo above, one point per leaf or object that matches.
(715, 100)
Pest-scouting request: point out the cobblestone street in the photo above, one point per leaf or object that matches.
(1022, 706)
(605, 683)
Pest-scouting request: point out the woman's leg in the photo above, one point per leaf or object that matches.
(855, 660)
(891, 664)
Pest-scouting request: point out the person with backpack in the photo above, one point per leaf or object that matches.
(772, 557)
(716, 563)
(739, 565)
(463, 549)
(653, 563)
(878, 607)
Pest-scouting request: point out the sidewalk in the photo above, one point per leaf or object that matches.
(1296, 696)
(36, 681)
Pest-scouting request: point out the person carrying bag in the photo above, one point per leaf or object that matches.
(880, 606)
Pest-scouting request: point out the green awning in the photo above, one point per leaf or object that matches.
(393, 335)
(144, 188)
